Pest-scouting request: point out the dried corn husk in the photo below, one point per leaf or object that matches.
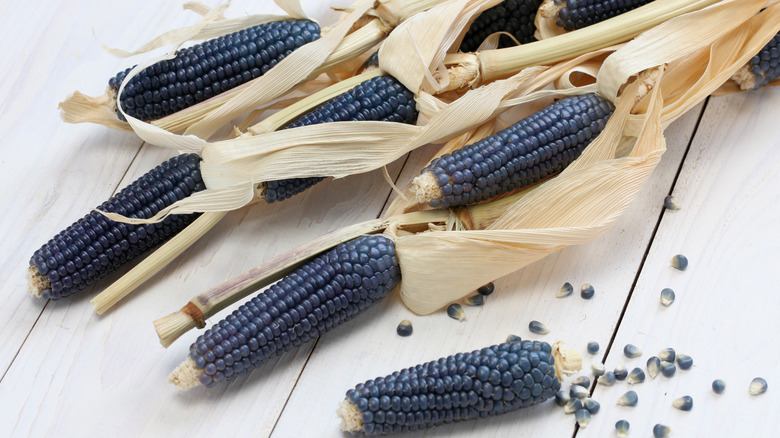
(549, 217)
(339, 44)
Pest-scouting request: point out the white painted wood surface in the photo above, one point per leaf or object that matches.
(66, 372)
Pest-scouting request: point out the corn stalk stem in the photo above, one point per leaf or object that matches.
(156, 261)
(495, 64)
(207, 304)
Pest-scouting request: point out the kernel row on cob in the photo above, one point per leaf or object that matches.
(91, 248)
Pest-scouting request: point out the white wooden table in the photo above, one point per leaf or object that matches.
(64, 371)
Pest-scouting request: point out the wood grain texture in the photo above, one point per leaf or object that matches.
(66, 372)
(726, 311)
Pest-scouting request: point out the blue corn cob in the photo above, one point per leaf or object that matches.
(465, 386)
(382, 98)
(95, 245)
(329, 290)
(576, 14)
(764, 67)
(512, 16)
(200, 72)
(533, 148)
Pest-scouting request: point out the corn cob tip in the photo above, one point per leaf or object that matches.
(567, 361)
(186, 375)
(425, 188)
(350, 417)
(36, 282)
(745, 78)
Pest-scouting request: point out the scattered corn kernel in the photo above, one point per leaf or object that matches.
(566, 290)
(562, 397)
(572, 406)
(538, 327)
(404, 328)
(660, 431)
(486, 289)
(667, 354)
(632, 351)
(684, 403)
(671, 203)
(621, 372)
(593, 347)
(718, 386)
(591, 405)
(668, 369)
(598, 368)
(475, 300)
(758, 386)
(583, 417)
(667, 297)
(587, 291)
(621, 428)
(583, 381)
(628, 399)
(607, 379)
(455, 311)
(636, 376)
(684, 361)
(513, 338)
(653, 366)
(578, 391)
(680, 262)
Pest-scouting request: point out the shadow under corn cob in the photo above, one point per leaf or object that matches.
(576, 14)
(539, 145)
(325, 292)
(94, 245)
(512, 16)
(762, 68)
(465, 386)
(207, 69)
(382, 98)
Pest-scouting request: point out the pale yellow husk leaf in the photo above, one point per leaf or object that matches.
(590, 195)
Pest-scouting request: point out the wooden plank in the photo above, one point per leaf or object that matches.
(369, 347)
(725, 314)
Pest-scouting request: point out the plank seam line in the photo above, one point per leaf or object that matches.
(650, 243)
(18, 350)
(43, 309)
(317, 341)
(297, 379)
